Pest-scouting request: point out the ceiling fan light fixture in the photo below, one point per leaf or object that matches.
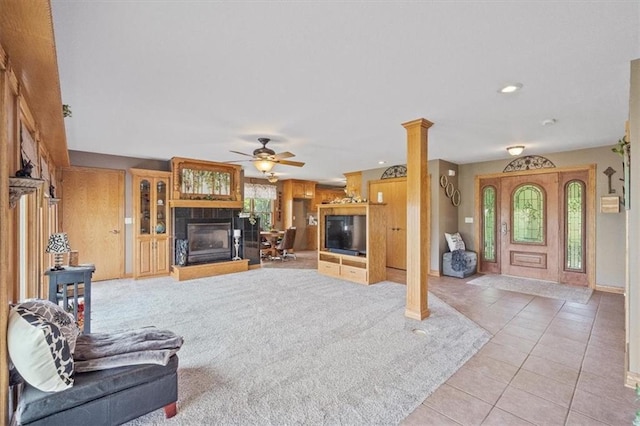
(272, 178)
(264, 165)
(515, 150)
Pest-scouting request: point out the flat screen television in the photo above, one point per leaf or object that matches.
(346, 234)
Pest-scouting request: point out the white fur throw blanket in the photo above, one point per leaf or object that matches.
(99, 351)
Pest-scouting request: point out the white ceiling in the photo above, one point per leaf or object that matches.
(332, 81)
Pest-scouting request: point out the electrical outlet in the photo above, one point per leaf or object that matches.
(468, 220)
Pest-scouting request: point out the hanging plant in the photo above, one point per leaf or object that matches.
(621, 146)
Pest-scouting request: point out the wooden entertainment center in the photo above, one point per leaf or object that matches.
(367, 268)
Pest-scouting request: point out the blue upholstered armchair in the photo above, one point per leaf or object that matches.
(458, 262)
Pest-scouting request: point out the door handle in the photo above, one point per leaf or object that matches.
(504, 228)
(115, 231)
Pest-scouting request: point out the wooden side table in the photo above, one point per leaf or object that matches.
(75, 276)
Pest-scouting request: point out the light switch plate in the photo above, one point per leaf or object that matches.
(128, 220)
(468, 220)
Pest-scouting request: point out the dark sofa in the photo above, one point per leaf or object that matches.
(106, 397)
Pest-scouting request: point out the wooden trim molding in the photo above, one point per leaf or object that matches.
(609, 289)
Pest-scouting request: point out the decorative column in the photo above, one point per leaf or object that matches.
(418, 226)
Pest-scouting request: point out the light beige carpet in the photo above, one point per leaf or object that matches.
(535, 287)
(292, 347)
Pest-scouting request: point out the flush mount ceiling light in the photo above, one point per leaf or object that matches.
(515, 150)
(549, 122)
(510, 88)
(265, 165)
(272, 178)
(381, 162)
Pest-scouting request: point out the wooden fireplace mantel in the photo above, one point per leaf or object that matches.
(213, 204)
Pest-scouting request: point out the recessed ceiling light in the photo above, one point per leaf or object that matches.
(381, 162)
(549, 122)
(510, 88)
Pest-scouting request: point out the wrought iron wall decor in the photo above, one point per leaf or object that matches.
(394, 172)
(450, 191)
(528, 162)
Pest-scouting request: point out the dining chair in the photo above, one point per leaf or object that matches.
(285, 246)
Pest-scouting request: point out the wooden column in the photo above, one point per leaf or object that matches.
(418, 205)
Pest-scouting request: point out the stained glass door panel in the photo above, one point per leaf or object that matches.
(529, 226)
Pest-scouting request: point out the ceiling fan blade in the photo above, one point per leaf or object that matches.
(242, 153)
(282, 155)
(290, 163)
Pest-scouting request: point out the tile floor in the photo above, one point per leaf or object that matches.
(550, 362)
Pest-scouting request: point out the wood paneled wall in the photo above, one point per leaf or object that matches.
(29, 97)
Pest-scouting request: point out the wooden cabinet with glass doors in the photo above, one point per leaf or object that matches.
(151, 221)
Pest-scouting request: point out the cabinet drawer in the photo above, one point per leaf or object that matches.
(329, 268)
(351, 273)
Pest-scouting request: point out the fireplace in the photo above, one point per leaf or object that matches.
(208, 242)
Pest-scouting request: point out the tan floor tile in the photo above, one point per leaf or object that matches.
(533, 320)
(552, 370)
(498, 417)
(458, 405)
(515, 329)
(563, 343)
(570, 359)
(603, 362)
(577, 419)
(531, 408)
(544, 387)
(573, 309)
(575, 317)
(561, 331)
(507, 354)
(600, 407)
(491, 367)
(580, 326)
(611, 385)
(426, 416)
(477, 384)
(506, 339)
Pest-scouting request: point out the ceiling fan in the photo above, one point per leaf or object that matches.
(265, 158)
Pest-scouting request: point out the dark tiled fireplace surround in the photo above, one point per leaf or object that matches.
(207, 235)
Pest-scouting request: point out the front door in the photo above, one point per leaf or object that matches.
(538, 225)
(529, 226)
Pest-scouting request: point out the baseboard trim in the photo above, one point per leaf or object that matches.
(610, 289)
(434, 273)
(632, 379)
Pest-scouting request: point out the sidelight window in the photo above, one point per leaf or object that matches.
(574, 225)
(489, 223)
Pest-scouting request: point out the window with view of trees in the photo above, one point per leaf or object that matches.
(259, 201)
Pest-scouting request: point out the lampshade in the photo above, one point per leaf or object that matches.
(272, 178)
(58, 243)
(264, 165)
(515, 150)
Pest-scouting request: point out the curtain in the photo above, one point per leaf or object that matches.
(256, 190)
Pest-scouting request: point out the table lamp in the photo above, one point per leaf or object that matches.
(58, 245)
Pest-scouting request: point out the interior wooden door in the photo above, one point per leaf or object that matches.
(394, 195)
(529, 226)
(93, 218)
